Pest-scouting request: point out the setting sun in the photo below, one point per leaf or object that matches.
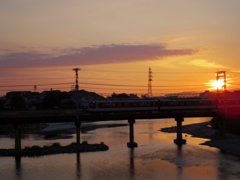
(218, 84)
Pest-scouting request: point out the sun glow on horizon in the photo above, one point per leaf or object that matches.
(218, 84)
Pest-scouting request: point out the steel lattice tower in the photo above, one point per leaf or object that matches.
(222, 75)
(149, 82)
(76, 72)
(35, 88)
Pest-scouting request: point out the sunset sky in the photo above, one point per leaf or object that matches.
(115, 42)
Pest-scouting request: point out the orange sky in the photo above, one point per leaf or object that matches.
(115, 43)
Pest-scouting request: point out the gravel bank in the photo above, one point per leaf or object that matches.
(54, 149)
(229, 144)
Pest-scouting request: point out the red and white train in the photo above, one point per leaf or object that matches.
(163, 105)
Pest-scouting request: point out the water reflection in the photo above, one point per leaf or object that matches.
(132, 169)
(179, 155)
(79, 173)
(18, 167)
(156, 158)
(150, 128)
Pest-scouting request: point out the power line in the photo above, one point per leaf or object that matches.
(114, 79)
(127, 85)
(36, 84)
(103, 70)
(104, 84)
(23, 79)
(116, 71)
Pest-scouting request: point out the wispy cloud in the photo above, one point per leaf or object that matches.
(205, 63)
(104, 54)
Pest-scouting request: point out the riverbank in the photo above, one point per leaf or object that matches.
(55, 148)
(229, 144)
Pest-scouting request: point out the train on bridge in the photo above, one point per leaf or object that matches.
(164, 105)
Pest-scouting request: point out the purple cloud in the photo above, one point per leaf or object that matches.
(104, 54)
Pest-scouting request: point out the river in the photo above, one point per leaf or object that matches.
(156, 156)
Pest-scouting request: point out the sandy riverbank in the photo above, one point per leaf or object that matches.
(229, 144)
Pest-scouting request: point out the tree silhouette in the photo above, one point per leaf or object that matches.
(17, 102)
(1, 104)
(51, 99)
(121, 96)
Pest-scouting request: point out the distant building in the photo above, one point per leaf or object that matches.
(24, 94)
(225, 94)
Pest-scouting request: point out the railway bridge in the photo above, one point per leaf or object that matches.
(19, 118)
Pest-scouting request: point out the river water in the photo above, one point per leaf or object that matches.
(156, 156)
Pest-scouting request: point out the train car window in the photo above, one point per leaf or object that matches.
(104, 105)
(233, 102)
(92, 105)
(205, 103)
(182, 103)
(176, 103)
(188, 103)
(126, 104)
(112, 104)
(134, 104)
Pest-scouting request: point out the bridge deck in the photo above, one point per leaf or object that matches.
(31, 117)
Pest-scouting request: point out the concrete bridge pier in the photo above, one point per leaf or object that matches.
(78, 125)
(131, 144)
(18, 128)
(179, 140)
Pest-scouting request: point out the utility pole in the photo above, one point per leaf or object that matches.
(76, 72)
(149, 82)
(77, 122)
